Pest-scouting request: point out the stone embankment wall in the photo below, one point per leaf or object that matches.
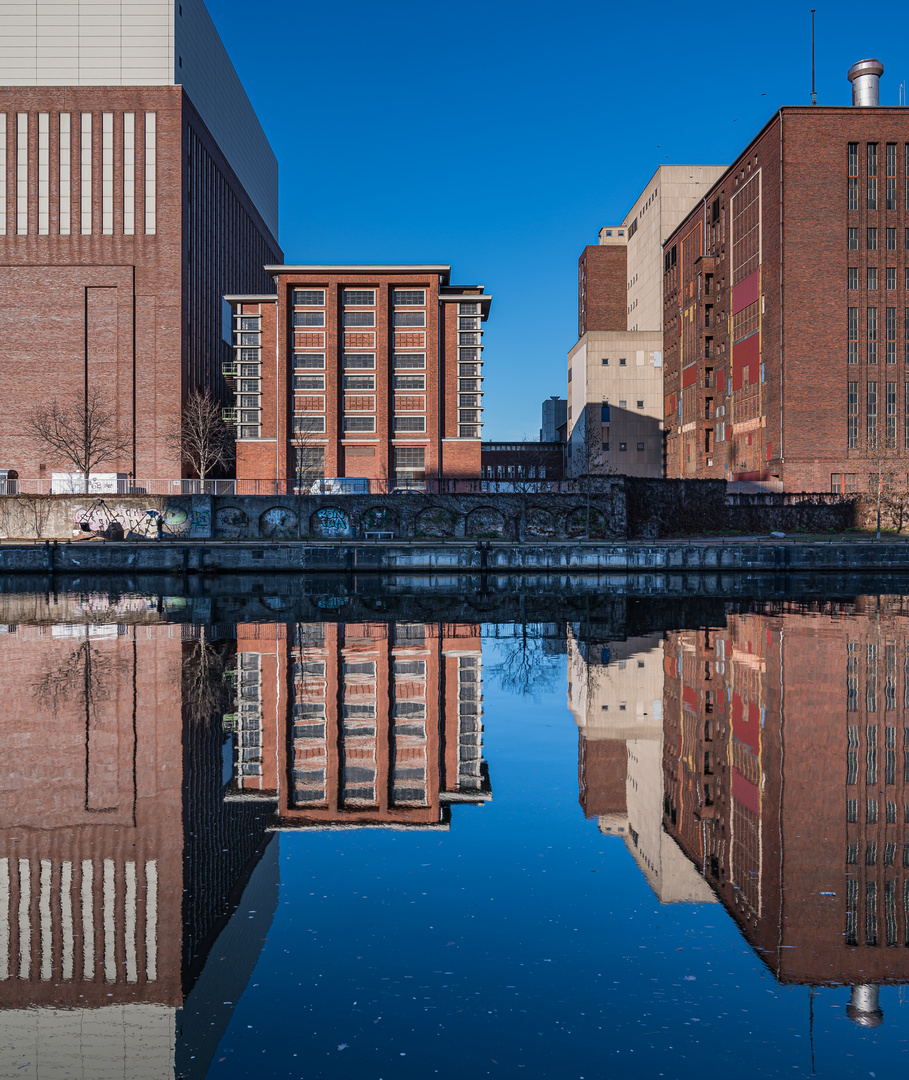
(619, 508)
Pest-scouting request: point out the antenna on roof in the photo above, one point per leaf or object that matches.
(813, 91)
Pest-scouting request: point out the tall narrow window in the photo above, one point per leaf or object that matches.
(906, 434)
(871, 335)
(871, 239)
(852, 414)
(890, 332)
(22, 174)
(852, 333)
(891, 415)
(65, 175)
(891, 176)
(151, 200)
(852, 159)
(107, 173)
(2, 174)
(129, 173)
(852, 239)
(872, 176)
(891, 277)
(891, 239)
(43, 174)
(852, 193)
(85, 170)
(871, 414)
(871, 278)
(852, 278)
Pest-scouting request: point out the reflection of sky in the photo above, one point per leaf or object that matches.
(524, 944)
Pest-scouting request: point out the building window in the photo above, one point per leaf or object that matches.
(250, 322)
(358, 360)
(472, 308)
(468, 339)
(249, 339)
(309, 463)
(906, 332)
(890, 331)
(307, 425)
(309, 382)
(871, 414)
(359, 318)
(605, 361)
(309, 298)
(403, 361)
(906, 424)
(249, 356)
(410, 423)
(890, 402)
(359, 382)
(871, 239)
(871, 335)
(360, 423)
(309, 318)
(640, 404)
(852, 159)
(409, 382)
(623, 446)
(409, 297)
(640, 446)
(852, 414)
(852, 193)
(852, 239)
(622, 361)
(891, 176)
(871, 277)
(470, 323)
(852, 333)
(313, 361)
(891, 277)
(468, 416)
(249, 386)
(410, 318)
(358, 298)
(872, 175)
(891, 239)
(852, 278)
(410, 463)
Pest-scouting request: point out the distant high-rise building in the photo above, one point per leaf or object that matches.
(615, 376)
(555, 417)
(136, 189)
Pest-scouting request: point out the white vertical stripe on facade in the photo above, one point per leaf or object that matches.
(22, 174)
(151, 200)
(65, 175)
(66, 919)
(4, 918)
(43, 173)
(25, 919)
(109, 901)
(151, 920)
(44, 921)
(88, 920)
(2, 174)
(107, 173)
(129, 173)
(86, 170)
(129, 922)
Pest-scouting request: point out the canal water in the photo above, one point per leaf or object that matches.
(404, 829)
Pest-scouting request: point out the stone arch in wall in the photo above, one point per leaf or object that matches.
(540, 524)
(576, 524)
(434, 521)
(379, 519)
(278, 522)
(231, 523)
(330, 521)
(484, 521)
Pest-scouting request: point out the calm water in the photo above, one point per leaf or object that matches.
(579, 834)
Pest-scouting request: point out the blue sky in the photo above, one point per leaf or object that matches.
(499, 138)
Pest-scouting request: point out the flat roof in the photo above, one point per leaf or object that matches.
(442, 269)
(253, 298)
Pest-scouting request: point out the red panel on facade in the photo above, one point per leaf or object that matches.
(689, 375)
(746, 292)
(744, 792)
(746, 354)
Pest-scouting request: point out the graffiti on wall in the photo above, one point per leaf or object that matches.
(330, 521)
(116, 522)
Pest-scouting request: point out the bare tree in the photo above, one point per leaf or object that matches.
(525, 666)
(590, 457)
(207, 691)
(201, 435)
(81, 432)
(885, 465)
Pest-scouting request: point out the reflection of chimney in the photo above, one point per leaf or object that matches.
(865, 78)
(863, 1008)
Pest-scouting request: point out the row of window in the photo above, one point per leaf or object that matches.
(360, 318)
(872, 235)
(360, 382)
(360, 297)
(470, 385)
(871, 176)
(885, 409)
(872, 334)
(363, 361)
(887, 276)
(512, 472)
(359, 424)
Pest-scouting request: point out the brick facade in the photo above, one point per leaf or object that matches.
(757, 296)
(126, 297)
(602, 288)
(359, 371)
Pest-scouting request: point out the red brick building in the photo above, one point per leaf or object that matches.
(786, 307)
(361, 371)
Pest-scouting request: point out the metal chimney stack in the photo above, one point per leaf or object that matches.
(865, 77)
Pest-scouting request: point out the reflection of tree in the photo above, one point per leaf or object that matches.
(207, 691)
(86, 678)
(526, 668)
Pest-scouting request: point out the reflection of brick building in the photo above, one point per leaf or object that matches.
(119, 861)
(785, 782)
(615, 692)
(360, 724)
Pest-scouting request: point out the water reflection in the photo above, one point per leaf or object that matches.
(773, 752)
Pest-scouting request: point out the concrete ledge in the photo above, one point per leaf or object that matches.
(213, 557)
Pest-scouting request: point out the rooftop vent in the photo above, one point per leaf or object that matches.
(865, 77)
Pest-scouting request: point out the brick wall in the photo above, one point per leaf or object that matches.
(602, 288)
